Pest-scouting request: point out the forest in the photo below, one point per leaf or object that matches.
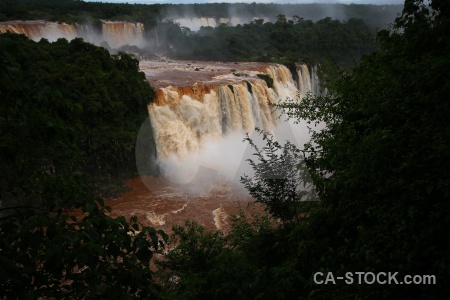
(70, 116)
(71, 11)
(303, 32)
(285, 41)
(380, 168)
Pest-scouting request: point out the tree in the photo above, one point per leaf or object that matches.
(381, 163)
(68, 107)
(382, 171)
(281, 181)
(253, 261)
(381, 168)
(59, 255)
(69, 116)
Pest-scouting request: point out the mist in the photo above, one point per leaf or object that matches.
(190, 15)
(223, 161)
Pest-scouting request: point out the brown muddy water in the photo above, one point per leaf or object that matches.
(161, 204)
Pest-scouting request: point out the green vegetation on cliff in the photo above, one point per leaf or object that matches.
(67, 107)
(70, 114)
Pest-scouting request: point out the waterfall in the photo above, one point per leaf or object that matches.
(188, 120)
(194, 24)
(115, 33)
(36, 30)
(156, 36)
(308, 81)
(199, 128)
(118, 33)
(315, 82)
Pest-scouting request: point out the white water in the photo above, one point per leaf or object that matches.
(115, 33)
(200, 133)
(194, 24)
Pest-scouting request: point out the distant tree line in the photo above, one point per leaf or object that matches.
(376, 16)
(73, 11)
(285, 41)
(309, 33)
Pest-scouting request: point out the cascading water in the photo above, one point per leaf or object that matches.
(195, 24)
(201, 123)
(115, 33)
(36, 30)
(199, 119)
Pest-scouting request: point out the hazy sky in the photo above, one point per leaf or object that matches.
(380, 2)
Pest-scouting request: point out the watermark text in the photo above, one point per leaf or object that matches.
(372, 278)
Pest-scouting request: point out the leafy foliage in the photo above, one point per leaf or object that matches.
(69, 116)
(285, 41)
(281, 181)
(385, 152)
(91, 256)
(381, 168)
(67, 107)
(74, 11)
(311, 33)
(251, 262)
(70, 11)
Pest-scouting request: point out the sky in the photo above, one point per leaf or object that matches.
(378, 2)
